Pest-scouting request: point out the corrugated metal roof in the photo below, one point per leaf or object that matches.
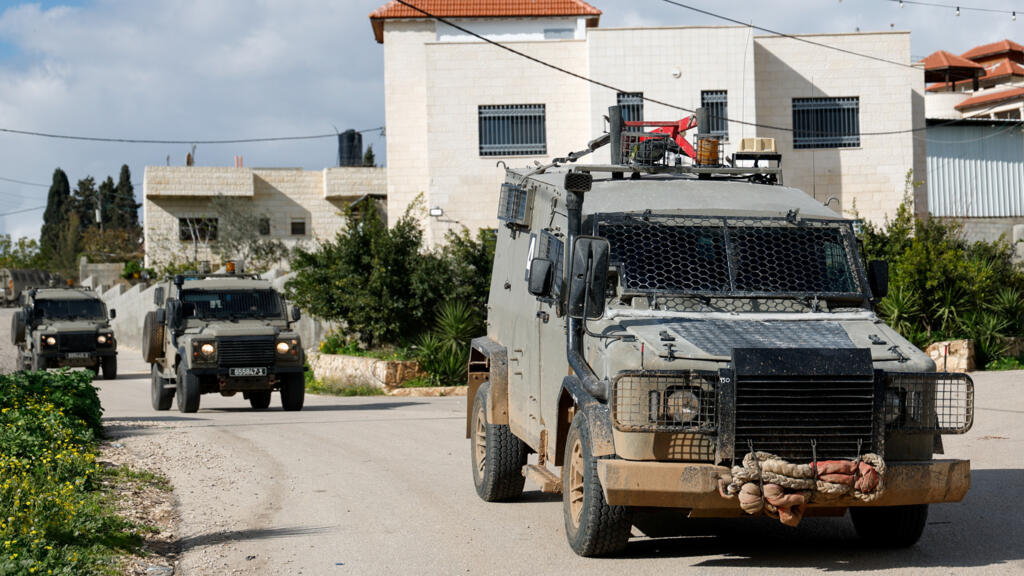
(976, 171)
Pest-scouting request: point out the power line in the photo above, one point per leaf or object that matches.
(645, 97)
(186, 142)
(790, 36)
(23, 182)
(958, 7)
(22, 210)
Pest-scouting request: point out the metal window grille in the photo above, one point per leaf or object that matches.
(826, 122)
(512, 130)
(716, 103)
(740, 256)
(632, 106)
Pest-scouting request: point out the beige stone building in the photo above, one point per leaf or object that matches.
(292, 205)
(457, 106)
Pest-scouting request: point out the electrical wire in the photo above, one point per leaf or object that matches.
(22, 210)
(186, 142)
(644, 97)
(958, 7)
(12, 180)
(790, 36)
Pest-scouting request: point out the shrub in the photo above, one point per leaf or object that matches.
(444, 352)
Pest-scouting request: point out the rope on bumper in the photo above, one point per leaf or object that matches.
(768, 484)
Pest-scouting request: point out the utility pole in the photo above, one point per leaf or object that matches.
(99, 208)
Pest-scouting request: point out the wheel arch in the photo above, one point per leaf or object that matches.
(572, 399)
(488, 362)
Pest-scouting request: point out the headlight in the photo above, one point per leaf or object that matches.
(681, 405)
(101, 339)
(283, 347)
(51, 341)
(207, 349)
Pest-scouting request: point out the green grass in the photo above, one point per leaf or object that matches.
(1006, 363)
(314, 386)
(57, 512)
(336, 344)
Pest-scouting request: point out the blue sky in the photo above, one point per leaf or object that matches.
(220, 69)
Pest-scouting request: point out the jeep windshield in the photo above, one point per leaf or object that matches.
(70, 309)
(732, 257)
(230, 304)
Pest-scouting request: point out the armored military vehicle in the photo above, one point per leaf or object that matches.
(222, 333)
(64, 327)
(699, 338)
(13, 282)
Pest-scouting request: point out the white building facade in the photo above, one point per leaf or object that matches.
(457, 106)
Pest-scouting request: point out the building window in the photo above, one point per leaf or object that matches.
(716, 103)
(632, 106)
(298, 226)
(264, 226)
(512, 130)
(559, 34)
(200, 229)
(826, 122)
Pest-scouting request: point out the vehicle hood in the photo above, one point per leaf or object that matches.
(227, 329)
(712, 337)
(72, 326)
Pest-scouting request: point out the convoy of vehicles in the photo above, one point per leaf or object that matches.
(664, 337)
(223, 333)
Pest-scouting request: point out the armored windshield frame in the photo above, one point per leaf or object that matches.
(599, 224)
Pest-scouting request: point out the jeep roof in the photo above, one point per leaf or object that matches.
(64, 294)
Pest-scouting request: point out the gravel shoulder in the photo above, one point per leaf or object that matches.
(382, 485)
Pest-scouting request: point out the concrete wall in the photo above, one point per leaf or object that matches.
(106, 273)
(317, 198)
(871, 177)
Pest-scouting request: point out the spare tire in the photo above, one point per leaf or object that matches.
(18, 327)
(152, 338)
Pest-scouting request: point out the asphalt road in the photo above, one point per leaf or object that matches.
(382, 486)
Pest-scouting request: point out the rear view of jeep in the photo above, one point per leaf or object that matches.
(223, 334)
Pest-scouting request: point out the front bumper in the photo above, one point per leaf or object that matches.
(225, 372)
(695, 486)
(63, 356)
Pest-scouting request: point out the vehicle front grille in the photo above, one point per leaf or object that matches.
(245, 352)
(783, 414)
(81, 342)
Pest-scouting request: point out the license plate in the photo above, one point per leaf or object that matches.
(78, 355)
(243, 372)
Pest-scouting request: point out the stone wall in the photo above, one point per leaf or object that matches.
(341, 371)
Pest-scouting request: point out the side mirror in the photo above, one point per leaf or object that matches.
(878, 278)
(113, 313)
(158, 296)
(173, 314)
(296, 314)
(539, 283)
(588, 277)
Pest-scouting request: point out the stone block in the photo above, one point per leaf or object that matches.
(953, 355)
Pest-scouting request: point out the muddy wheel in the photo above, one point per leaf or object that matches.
(592, 527)
(259, 399)
(498, 456)
(109, 364)
(187, 391)
(890, 526)
(293, 392)
(152, 338)
(161, 396)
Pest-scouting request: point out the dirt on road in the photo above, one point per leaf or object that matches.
(382, 486)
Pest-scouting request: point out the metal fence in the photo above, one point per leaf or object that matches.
(826, 122)
(513, 130)
(716, 103)
(632, 106)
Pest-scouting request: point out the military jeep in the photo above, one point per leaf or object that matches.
(64, 327)
(222, 333)
(651, 328)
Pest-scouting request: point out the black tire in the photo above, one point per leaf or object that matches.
(187, 391)
(18, 327)
(161, 396)
(592, 527)
(293, 392)
(152, 338)
(890, 526)
(259, 399)
(496, 454)
(109, 364)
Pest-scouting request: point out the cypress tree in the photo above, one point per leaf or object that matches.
(369, 160)
(84, 203)
(55, 218)
(127, 214)
(108, 205)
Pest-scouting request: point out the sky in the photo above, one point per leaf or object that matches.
(232, 69)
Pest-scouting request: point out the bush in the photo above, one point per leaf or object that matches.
(444, 352)
(944, 287)
(54, 519)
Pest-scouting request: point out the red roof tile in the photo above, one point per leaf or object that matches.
(942, 59)
(990, 97)
(1003, 68)
(479, 9)
(993, 48)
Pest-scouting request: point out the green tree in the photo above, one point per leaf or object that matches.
(239, 236)
(20, 253)
(106, 195)
(84, 203)
(369, 160)
(126, 210)
(55, 218)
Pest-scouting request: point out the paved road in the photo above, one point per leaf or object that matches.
(383, 486)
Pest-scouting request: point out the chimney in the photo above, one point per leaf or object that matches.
(350, 148)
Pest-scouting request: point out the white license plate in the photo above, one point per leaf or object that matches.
(247, 372)
(78, 355)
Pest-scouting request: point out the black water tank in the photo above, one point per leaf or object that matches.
(350, 148)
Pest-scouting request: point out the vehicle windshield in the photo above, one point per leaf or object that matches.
(731, 256)
(68, 309)
(230, 303)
